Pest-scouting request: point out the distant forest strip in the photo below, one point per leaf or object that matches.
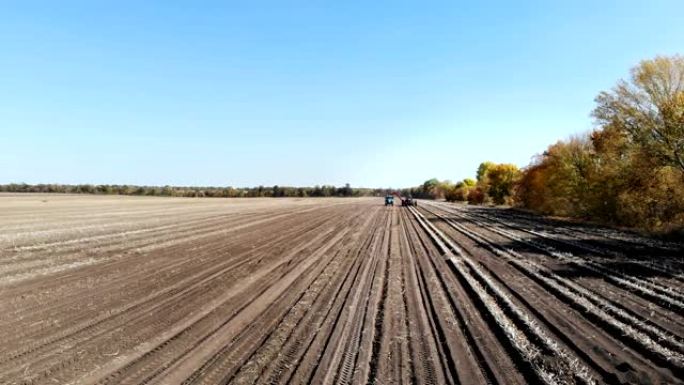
(628, 171)
(196, 192)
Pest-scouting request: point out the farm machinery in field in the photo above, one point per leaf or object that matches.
(389, 200)
(405, 201)
(408, 201)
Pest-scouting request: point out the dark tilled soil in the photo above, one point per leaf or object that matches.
(123, 290)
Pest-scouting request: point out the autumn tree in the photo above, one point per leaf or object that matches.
(501, 181)
(630, 169)
(460, 190)
(649, 110)
(482, 170)
(558, 182)
(429, 188)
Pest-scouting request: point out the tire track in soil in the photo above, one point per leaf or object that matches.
(222, 368)
(312, 326)
(222, 313)
(338, 362)
(477, 356)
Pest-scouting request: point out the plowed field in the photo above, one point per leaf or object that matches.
(125, 290)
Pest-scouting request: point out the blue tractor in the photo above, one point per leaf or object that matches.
(389, 200)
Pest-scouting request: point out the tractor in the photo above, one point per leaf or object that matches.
(389, 200)
(408, 202)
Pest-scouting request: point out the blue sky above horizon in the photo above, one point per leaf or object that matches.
(377, 94)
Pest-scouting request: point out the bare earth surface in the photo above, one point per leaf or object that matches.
(137, 290)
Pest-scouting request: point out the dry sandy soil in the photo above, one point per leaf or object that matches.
(124, 290)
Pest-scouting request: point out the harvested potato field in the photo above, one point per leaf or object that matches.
(144, 290)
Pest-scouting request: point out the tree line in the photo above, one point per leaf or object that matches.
(197, 192)
(494, 184)
(628, 171)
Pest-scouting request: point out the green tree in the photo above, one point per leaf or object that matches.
(429, 188)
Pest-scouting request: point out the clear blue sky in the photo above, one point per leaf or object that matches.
(372, 93)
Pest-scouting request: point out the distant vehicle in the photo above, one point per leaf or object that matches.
(389, 200)
(408, 202)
